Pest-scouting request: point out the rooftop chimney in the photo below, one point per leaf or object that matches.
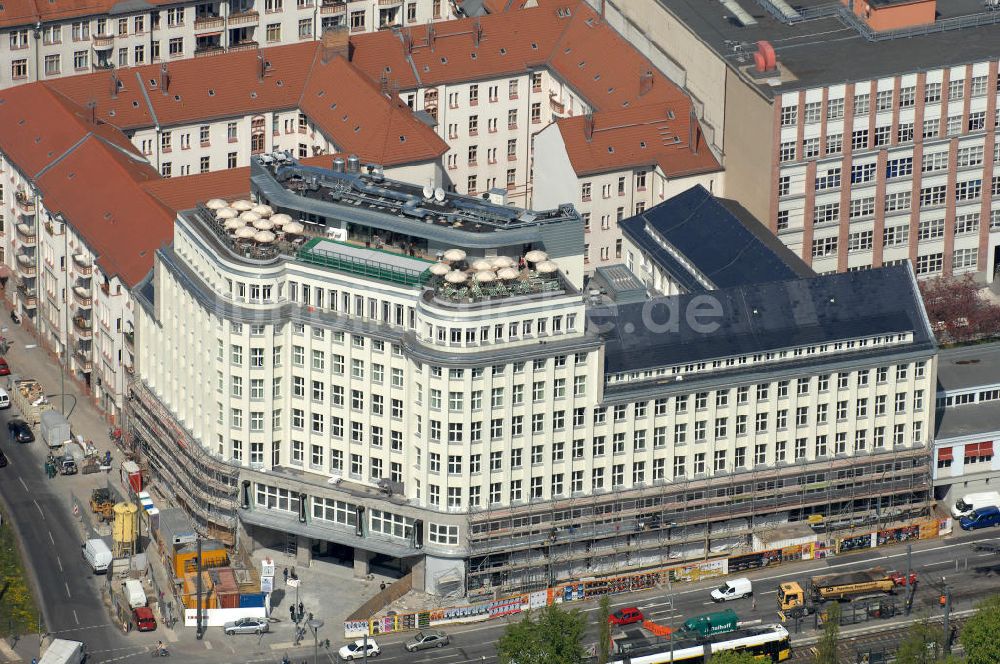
(164, 78)
(694, 132)
(477, 33)
(116, 85)
(431, 36)
(645, 83)
(261, 66)
(588, 126)
(336, 41)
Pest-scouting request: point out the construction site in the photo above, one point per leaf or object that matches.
(538, 545)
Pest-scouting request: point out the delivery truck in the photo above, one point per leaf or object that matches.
(55, 428)
(30, 399)
(63, 651)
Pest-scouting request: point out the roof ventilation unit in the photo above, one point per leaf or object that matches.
(766, 62)
(338, 165)
(353, 164)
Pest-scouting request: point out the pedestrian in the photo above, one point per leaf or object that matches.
(285, 574)
(302, 610)
(753, 602)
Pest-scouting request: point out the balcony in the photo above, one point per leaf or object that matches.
(244, 18)
(103, 42)
(26, 234)
(84, 267)
(558, 107)
(332, 7)
(83, 361)
(26, 202)
(27, 296)
(203, 51)
(243, 46)
(389, 3)
(26, 266)
(84, 329)
(208, 22)
(82, 297)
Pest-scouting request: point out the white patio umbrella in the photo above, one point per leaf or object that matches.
(507, 273)
(215, 204)
(263, 224)
(226, 213)
(484, 276)
(481, 264)
(503, 261)
(547, 267)
(454, 255)
(440, 269)
(249, 217)
(263, 237)
(245, 233)
(234, 223)
(241, 205)
(294, 227)
(280, 219)
(536, 256)
(455, 277)
(263, 210)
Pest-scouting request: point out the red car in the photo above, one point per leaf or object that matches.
(626, 616)
(4, 369)
(899, 578)
(144, 620)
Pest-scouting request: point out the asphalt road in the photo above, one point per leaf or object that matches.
(69, 589)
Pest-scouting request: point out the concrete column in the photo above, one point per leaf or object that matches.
(303, 552)
(361, 561)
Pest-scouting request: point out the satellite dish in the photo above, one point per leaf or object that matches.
(439, 195)
(428, 191)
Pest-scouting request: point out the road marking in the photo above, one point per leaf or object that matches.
(77, 619)
(208, 644)
(39, 508)
(59, 562)
(51, 539)
(941, 562)
(68, 593)
(21, 480)
(770, 592)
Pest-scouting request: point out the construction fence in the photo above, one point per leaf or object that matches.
(691, 572)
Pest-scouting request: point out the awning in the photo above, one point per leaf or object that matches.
(979, 449)
(944, 454)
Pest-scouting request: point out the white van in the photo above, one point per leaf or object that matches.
(98, 555)
(970, 502)
(134, 593)
(733, 589)
(61, 651)
(4, 399)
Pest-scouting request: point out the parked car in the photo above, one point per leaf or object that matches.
(356, 650)
(20, 431)
(430, 638)
(626, 616)
(4, 369)
(983, 517)
(144, 620)
(245, 626)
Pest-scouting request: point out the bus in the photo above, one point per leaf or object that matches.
(766, 642)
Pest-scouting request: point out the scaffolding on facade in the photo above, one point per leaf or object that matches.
(207, 488)
(524, 548)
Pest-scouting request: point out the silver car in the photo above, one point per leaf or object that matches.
(246, 626)
(431, 638)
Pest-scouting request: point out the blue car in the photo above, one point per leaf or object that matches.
(981, 518)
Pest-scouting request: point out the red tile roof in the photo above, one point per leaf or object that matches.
(568, 37)
(636, 137)
(186, 192)
(103, 201)
(28, 12)
(363, 119)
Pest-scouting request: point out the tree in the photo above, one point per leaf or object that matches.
(604, 630)
(957, 311)
(826, 649)
(548, 636)
(979, 635)
(733, 657)
(924, 644)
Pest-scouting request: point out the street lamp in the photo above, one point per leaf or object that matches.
(315, 624)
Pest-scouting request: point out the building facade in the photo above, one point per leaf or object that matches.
(44, 43)
(504, 434)
(967, 423)
(857, 148)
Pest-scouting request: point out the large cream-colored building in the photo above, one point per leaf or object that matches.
(494, 429)
(45, 41)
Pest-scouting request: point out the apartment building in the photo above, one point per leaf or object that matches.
(530, 102)
(862, 138)
(350, 395)
(306, 98)
(967, 422)
(44, 42)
